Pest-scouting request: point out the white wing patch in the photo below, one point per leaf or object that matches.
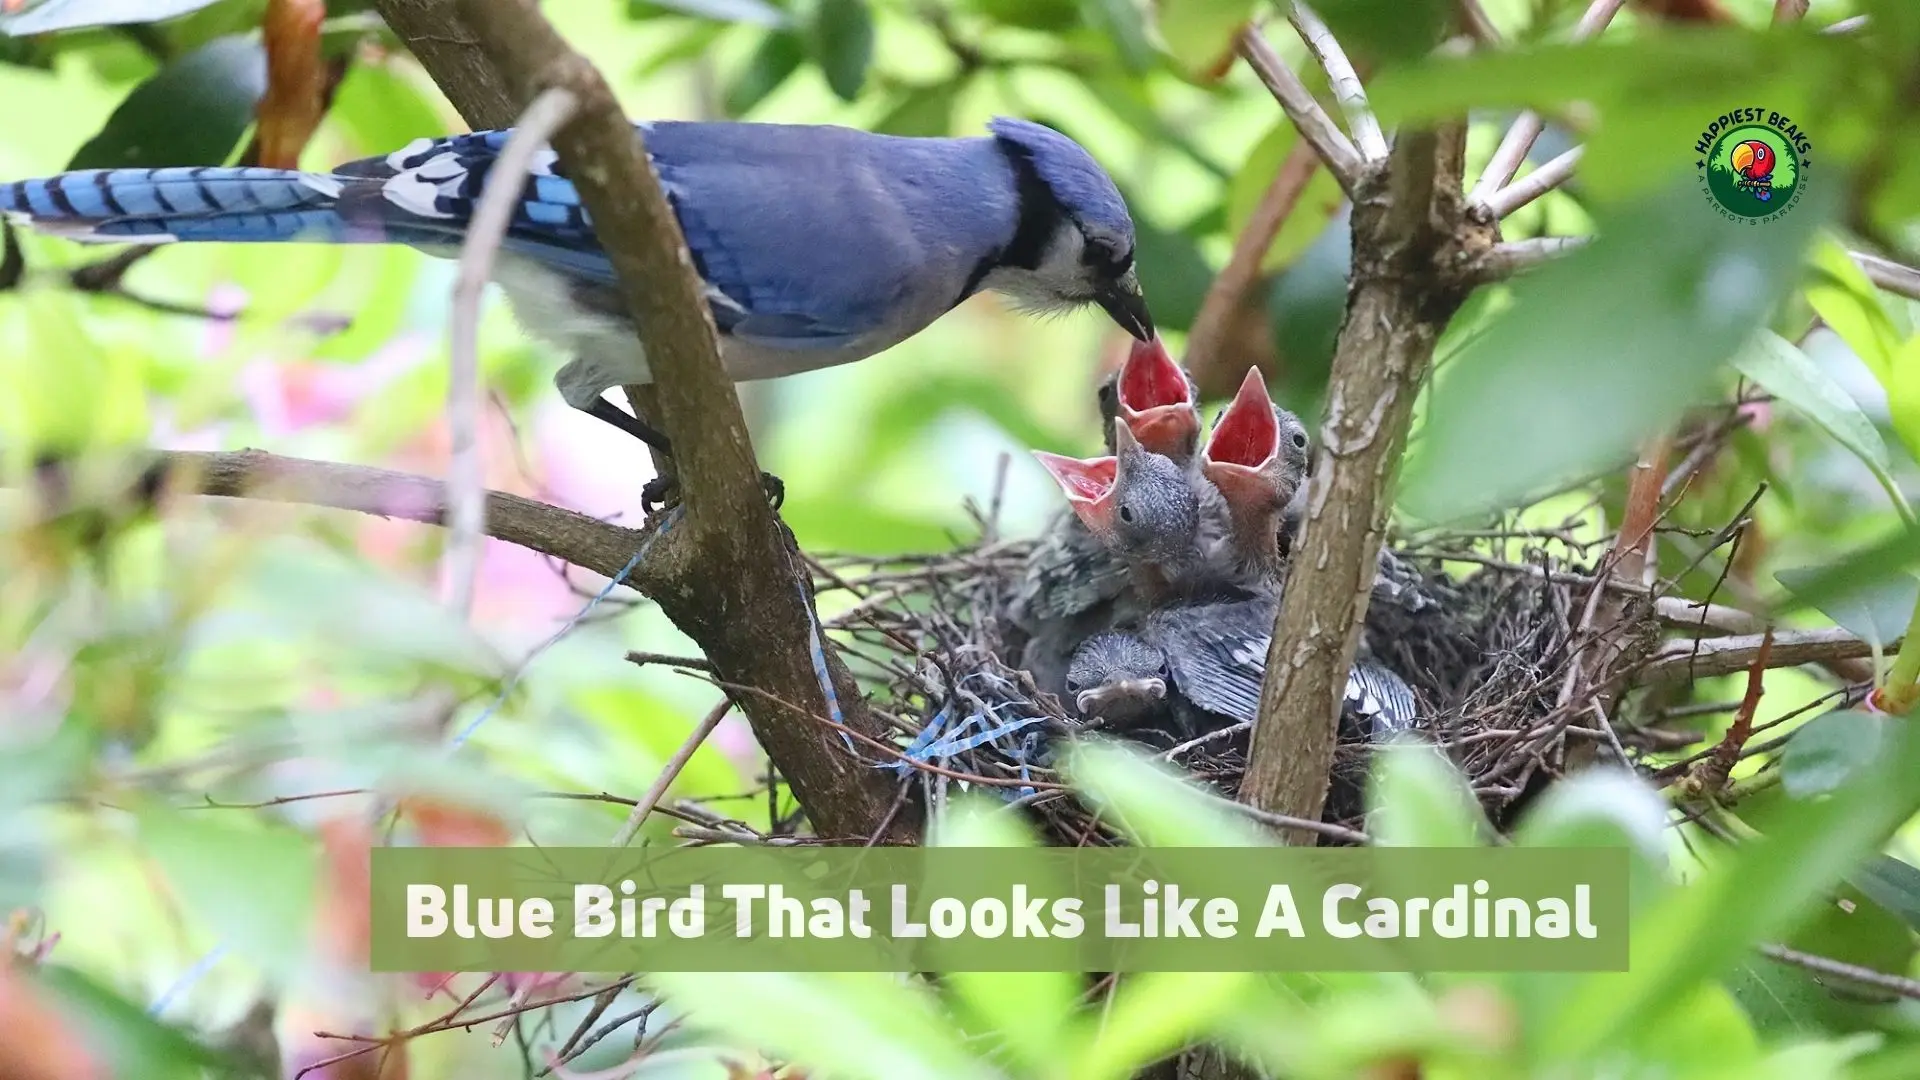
(1250, 654)
(417, 189)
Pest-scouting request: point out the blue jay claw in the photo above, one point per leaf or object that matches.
(662, 492)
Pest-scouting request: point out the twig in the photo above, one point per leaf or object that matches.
(1322, 828)
(1847, 26)
(1821, 965)
(1475, 21)
(1297, 102)
(1344, 80)
(1713, 771)
(1519, 139)
(465, 477)
(1503, 203)
(1896, 278)
(1723, 656)
(1503, 261)
(671, 772)
(1788, 11)
(1206, 344)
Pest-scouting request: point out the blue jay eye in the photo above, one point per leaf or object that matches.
(1126, 514)
(1299, 441)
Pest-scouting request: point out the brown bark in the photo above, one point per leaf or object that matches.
(727, 573)
(1411, 238)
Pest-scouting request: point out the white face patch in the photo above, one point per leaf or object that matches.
(1059, 283)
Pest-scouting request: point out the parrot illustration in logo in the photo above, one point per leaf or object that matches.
(1753, 163)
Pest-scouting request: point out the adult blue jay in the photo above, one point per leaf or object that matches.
(817, 245)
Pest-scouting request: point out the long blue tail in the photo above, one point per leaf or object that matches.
(206, 204)
(422, 195)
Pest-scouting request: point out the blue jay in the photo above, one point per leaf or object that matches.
(1200, 668)
(817, 245)
(1157, 399)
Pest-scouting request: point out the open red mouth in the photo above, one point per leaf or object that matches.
(1086, 481)
(1156, 400)
(1150, 379)
(1248, 433)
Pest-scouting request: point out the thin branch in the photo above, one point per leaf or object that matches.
(1789, 11)
(1206, 344)
(1896, 278)
(1297, 102)
(1847, 26)
(487, 230)
(1696, 659)
(1478, 25)
(1503, 261)
(671, 772)
(1344, 80)
(1519, 139)
(728, 576)
(1551, 175)
(1821, 965)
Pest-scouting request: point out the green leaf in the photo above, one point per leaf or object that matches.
(1848, 303)
(47, 16)
(1893, 884)
(1785, 369)
(1030, 1009)
(1848, 576)
(1155, 805)
(922, 110)
(1902, 381)
(203, 855)
(1124, 25)
(1318, 202)
(192, 112)
(752, 12)
(122, 1034)
(1199, 33)
(1154, 1013)
(383, 107)
(1561, 385)
(1418, 799)
(1826, 752)
(1849, 928)
(843, 44)
(1047, 16)
(778, 57)
(1766, 889)
(1875, 611)
(1389, 29)
(858, 1026)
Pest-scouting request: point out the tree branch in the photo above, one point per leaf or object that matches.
(1344, 80)
(1691, 659)
(728, 576)
(1519, 139)
(1297, 102)
(1504, 202)
(1410, 232)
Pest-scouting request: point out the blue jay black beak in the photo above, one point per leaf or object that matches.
(1122, 299)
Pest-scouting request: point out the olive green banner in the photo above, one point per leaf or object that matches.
(999, 909)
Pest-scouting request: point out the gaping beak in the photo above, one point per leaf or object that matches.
(1157, 401)
(1123, 300)
(1244, 446)
(1088, 483)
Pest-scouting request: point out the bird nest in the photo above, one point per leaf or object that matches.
(1498, 668)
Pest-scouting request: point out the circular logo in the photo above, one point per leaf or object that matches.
(1752, 164)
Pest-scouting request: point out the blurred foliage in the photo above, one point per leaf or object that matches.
(166, 677)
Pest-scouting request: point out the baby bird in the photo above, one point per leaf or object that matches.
(1197, 668)
(1256, 458)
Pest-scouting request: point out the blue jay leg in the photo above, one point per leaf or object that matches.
(661, 491)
